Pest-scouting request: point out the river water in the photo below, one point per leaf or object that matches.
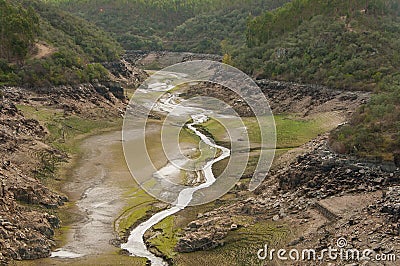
(135, 244)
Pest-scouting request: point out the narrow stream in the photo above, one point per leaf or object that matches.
(135, 245)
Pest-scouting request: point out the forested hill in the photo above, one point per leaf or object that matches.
(351, 45)
(42, 45)
(342, 44)
(185, 25)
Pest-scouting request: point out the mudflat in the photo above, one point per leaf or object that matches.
(97, 188)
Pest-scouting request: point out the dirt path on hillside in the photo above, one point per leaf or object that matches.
(43, 50)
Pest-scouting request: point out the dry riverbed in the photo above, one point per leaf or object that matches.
(99, 188)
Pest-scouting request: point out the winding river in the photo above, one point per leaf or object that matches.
(135, 244)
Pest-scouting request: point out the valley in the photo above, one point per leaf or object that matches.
(106, 160)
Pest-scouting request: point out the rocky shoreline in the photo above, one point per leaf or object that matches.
(304, 186)
(24, 233)
(26, 225)
(161, 59)
(309, 191)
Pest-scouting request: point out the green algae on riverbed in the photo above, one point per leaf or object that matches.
(68, 134)
(139, 205)
(241, 245)
(165, 238)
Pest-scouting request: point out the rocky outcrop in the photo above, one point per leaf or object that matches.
(126, 74)
(220, 92)
(283, 97)
(24, 233)
(86, 100)
(289, 97)
(322, 173)
(162, 59)
(203, 234)
(390, 203)
(26, 227)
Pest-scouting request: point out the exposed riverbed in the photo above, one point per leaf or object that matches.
(98, 196)
(98, 189)
(135, 244)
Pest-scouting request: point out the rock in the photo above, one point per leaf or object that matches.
(123, 72)
(391, 203)
(163, 59)
(324, 176)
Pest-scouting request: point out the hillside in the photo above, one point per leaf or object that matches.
(343, 45)
(195, 26)
(53, 47)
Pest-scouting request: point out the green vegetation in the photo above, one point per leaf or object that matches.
(138, 207)
(240, 246)
(19, 28)
(64, 133)
(217, 31)
(374, 131)
(63, 130)
(352, 45)
(291, 131)
(74, 47)
(167, 238)
(342, 44)
(186, 25)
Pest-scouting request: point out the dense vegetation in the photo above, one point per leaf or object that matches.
(374, 131)
(343, 44)
(351, 45)
(75, 46)
(19, 28)
(186, 25)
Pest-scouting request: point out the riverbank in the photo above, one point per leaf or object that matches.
(213, 233)
(46, 131)
(96, 191)
(40, 130)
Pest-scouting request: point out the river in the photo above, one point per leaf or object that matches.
(135, 244)
(98, 191)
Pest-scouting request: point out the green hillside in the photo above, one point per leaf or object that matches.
(53, 47)
(351, 45)
(219, 30)
(185, 25)
(342, 45)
